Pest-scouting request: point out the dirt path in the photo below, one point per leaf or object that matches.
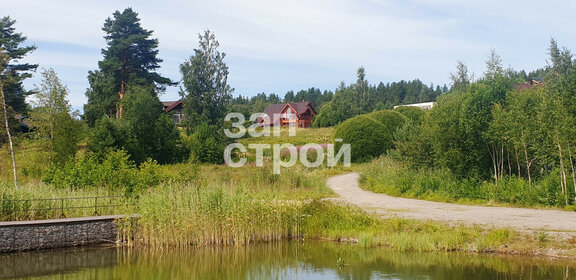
(522, 219)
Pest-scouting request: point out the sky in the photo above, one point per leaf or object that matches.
(277, 46)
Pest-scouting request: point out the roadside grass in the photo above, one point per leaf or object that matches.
(387, 175)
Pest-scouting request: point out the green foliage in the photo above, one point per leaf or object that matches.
(391, 120)
(52, 120)
(416, 115)
(324, 218)
(460, 79)
(207, 144)
(115, 172)
(367, 137)
(68, 132)
(392, 177)
(129, 60)
(144, 132)
(205, 78)
(13, 73)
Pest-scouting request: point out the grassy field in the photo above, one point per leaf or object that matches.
(303, 136)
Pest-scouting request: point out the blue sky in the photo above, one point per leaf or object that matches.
(276, 46)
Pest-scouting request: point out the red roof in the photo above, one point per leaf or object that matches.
(277, 109)
(170, 105)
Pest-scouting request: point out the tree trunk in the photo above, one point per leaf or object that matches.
(572, 169)
(563, 183)
(517, 161)
(528, 163)
(502, 161)
(5, 111)
(509, 164)
(492, 152)
(120, 111)
(120, 97)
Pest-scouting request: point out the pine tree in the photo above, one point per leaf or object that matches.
(13, 73)
(129, 60)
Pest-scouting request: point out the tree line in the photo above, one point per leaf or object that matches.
(501, 127)
(346, 101)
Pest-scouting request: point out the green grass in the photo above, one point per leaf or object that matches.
(205, 205)
(386, 175)
(303, 136)
(28, 194)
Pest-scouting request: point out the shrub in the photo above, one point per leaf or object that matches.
(367, 137)
(115, 172)
(415, 114)
(207, 144)
(391, 120)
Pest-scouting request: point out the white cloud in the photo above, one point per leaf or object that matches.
(298, 41)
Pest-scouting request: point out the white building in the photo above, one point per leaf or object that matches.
(425, 105)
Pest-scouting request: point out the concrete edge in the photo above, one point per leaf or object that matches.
(61, 221)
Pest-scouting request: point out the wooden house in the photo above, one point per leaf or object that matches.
(175, 109)
(300, 114)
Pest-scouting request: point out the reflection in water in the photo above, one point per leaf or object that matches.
(285, 260)
(21, 265)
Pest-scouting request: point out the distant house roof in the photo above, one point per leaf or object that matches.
(532, 82)
(171, 105)
(301, 107)
(24, 125)
(274, 110)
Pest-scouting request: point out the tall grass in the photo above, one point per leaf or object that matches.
(386, 175)
(184, 216)
(30, 202)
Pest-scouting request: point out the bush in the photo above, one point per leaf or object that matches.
(115, 172)
(415, 114)
(207, 144)
(367, 137)
(391, 120)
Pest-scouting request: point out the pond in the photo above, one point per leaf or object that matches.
(283, 260)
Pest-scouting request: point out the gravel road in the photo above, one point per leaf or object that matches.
(522, 219)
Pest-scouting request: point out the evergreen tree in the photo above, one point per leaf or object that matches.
(561, 59)
(129, 60)
(13, 73)
(460, 79)
(493, 66)
(123, 102)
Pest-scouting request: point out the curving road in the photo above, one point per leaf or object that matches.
(522, 219)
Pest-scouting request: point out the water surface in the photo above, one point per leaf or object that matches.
(285, 260)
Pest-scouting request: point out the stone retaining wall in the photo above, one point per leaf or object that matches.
(57, 233)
